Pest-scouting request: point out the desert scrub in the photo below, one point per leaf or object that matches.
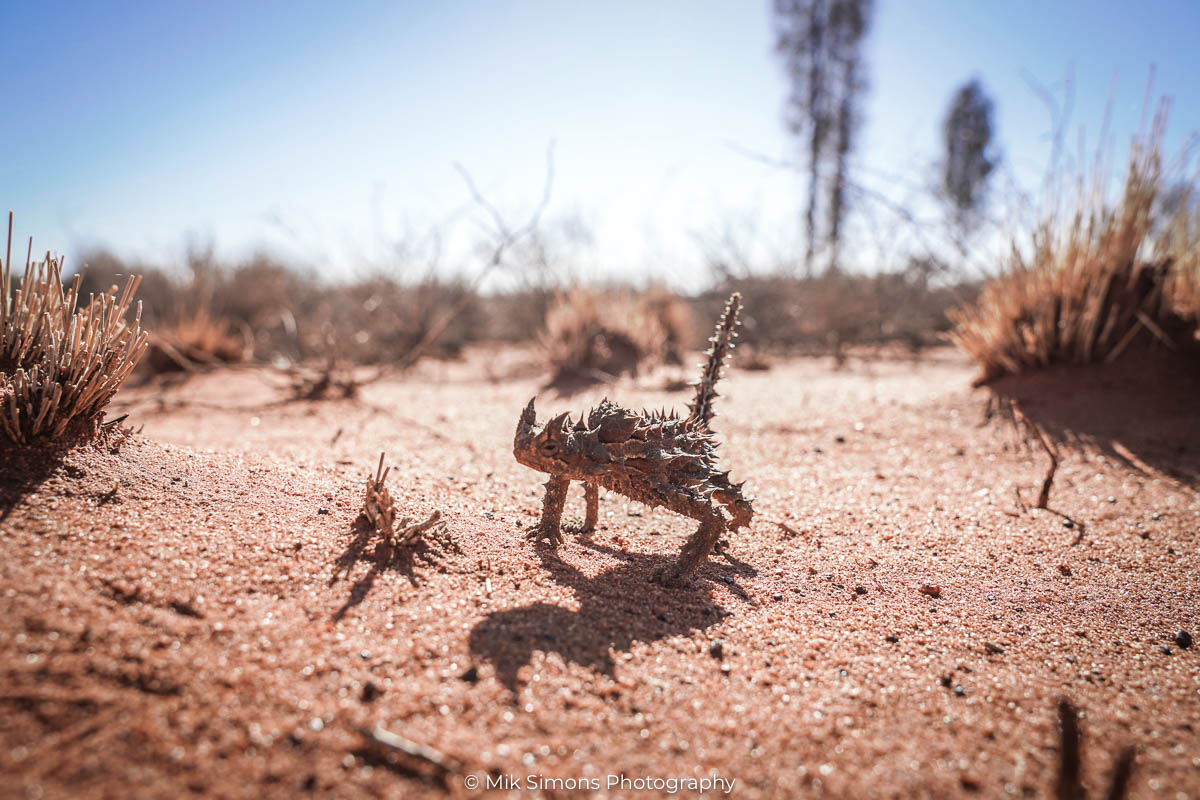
(60, 364)
(195, 341)
(593, 334)
(1109, 277)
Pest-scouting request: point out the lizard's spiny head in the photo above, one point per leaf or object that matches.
(545, 447)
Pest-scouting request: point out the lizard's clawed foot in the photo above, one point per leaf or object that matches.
(550, 534)
(583, 529)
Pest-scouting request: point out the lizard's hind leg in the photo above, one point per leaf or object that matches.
(694, 551)
(591, 496)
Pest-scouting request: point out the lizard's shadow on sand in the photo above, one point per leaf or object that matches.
(618, 607)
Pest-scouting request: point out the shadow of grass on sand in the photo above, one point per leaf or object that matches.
(384, 556)
(616, 608)
(1143, 410)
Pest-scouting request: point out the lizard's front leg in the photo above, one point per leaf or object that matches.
(591, 495)
(549, 528)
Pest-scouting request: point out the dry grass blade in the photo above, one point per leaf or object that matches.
(440, 762)
(60, 364)
(1118, 787)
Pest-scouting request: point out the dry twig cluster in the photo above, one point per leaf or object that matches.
(59, 364)
(380, 510)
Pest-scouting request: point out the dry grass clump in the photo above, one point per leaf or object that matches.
(59, 364)
(1089, 288)
(194, 340)
(598, 335)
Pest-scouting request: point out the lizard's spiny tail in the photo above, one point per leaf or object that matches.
(720, 344)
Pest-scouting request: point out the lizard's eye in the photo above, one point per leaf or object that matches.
(550, 448)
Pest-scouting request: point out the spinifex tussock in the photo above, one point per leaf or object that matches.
(59, 364)
(1091, 286)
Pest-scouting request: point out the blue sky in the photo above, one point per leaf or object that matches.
(329, 132)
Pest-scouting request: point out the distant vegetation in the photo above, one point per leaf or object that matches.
(1096, 279)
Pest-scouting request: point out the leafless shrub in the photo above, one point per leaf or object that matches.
(518, 315)
(60, 364)
(262, 309)
(674, 318)
(379, 319)
(1093, 284)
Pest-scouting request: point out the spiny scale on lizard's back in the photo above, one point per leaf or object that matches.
(681, 450)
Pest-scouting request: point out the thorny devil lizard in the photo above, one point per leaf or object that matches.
(654, 457)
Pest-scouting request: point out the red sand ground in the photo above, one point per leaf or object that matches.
(197, 613)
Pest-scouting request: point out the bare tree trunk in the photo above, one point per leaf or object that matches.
(844, 132)
(820, 125)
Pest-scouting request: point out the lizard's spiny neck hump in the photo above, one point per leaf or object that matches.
(720, 344)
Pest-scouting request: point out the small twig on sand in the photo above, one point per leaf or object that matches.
(1021, 507)
(442, 763)
(1068, 786)
(788, 529)
(1048, 481)
(1043, 499)
(111, 495)
(411, 531)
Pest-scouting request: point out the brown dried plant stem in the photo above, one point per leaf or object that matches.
(1047, 482)
(380, 510)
